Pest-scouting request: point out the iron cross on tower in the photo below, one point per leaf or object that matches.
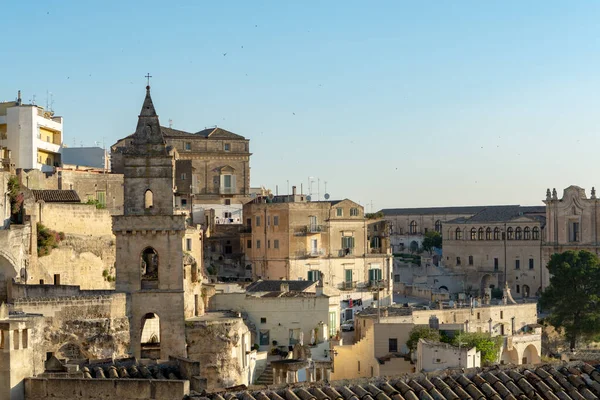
(148, 76)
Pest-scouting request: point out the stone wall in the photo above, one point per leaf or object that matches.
(80, 327)
(78, 219)
(96, 389)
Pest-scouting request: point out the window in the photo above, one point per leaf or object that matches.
(438, 226)
(101, 198)
(348, 276)
(397, 278)
(188, 146)
(510, 234)
(24, 341)
(258, 244)
(333, 322)
(574, 232)
(517, 264)
(227, 214)
(148, 199)
(269, 244)
(457, 260)
(354, 212)
(527, 233)
(518, 234)
(227, 147)
(496, 233)
(183, 202)
(258, 220)
(501, 314)
(264, 337)
(413, 227)
(314, 275)
(339, 212)
(488, 234)
(227, 202)
(276, 243)
(496, 264)
(536, 233)
(518, 289)
(393, 345)
(531, 265)
(480, 234)
(268, 220)
(183, 176)
(473, 233)
(478, 315)
(188, 244)
(458, 234)
(249, 243)
(347, 242)
(263, 320)
(374, 275)
(276, 220)
(470, 260)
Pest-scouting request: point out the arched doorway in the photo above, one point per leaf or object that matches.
(7, 272)
(150, 338)
(414, 246)
(530, 355)
(486, 282)
(509, 357)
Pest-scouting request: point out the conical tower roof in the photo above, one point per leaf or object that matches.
(148, 137)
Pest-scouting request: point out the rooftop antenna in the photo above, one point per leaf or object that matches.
(51, 102)
(170, 123)
(33, 99)
(47, 107)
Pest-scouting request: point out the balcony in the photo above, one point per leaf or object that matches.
(310, 253)
(310, 230)
(348, 285)
(345, 252)
(227, 190)
(47, 146)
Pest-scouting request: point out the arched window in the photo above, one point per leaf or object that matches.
(496, 233)
(148, 199)
(527, 233)
(536, 233)
(438, 226)
(458, 234)
(488, 234)
(518, 233)
(413, 227)
(480, 234)
(473, 233)
(150, 339)
(510, 234)
(149, 265)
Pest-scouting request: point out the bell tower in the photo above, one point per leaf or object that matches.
(149, 243)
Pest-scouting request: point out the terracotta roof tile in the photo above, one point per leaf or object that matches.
(56, 196)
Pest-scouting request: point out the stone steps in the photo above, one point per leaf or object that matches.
(266, 378)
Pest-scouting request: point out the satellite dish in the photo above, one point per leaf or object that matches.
(308, 198)
(326, 196)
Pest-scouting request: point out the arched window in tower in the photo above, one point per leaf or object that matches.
(438, 226)
(458, 234)
(473, 233)
(527, 233)
(496, 233)
(518, 233)
(510, 234)
(480, 234)
(150, 339)
(488, 234)
(149, 268)
(413, 227)
(148, 199)
(536, 233)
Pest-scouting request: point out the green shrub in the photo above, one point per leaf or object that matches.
(47, 239)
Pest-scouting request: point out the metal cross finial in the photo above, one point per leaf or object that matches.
(148, 76)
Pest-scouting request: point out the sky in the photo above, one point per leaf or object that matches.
(392, 103)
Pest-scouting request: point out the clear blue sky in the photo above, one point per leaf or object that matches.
(399, 103)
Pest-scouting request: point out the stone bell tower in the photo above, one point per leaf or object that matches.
(149, 243)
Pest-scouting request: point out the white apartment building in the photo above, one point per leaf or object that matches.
(33, 135)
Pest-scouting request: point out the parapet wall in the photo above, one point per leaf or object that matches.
(76, 218)
(18, 291)
(102, 389)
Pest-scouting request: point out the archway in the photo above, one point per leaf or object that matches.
(530, 355)
(526, 291)
(149, 267)
(70, 351)
(7, 272)
(486, 282)
(148, 199)
(509, 357)
(414, 246)
(443, 289)
(150, 337)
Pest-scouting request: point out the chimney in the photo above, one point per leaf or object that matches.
(293, 190)
(19, 98)
(319, 288)
(285, 287)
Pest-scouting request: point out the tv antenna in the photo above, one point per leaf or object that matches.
(170, 123)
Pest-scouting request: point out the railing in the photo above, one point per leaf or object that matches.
(310, 253)
(348, 285)
(246, 229)
(309, 229)
(227, 190)
(345, 252)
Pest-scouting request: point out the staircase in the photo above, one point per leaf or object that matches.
(266, 378)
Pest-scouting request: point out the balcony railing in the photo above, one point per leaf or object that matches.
(348, 285)
(227, 190)
(345, 252)
(309, 230)
(310, 253)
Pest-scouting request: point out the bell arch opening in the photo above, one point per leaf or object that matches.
(8, 272)
(150, 336)
(148, 199)
(149, 268)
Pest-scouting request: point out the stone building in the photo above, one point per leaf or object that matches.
(497, 245)
(288, 237)
(433, 356)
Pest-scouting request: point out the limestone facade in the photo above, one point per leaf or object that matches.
(432, 356)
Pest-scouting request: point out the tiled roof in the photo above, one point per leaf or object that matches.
(433, 210)
(56, 196)
(504, 213)
(574, 381)
(275, 286)
(216, 133)
(289, 294)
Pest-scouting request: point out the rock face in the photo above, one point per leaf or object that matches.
(220, 345)
(80, 327)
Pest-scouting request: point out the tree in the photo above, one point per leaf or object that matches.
(432, 240)
(421, 332)
(487, 345)
(573, 297)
